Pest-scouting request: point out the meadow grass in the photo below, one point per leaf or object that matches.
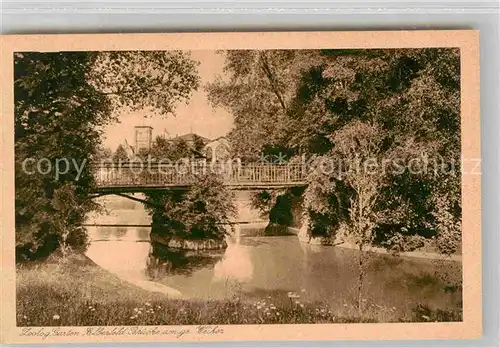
(76, 292)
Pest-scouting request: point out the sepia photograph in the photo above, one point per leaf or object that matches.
(200, 188)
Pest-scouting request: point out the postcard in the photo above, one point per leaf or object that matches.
(265, 186)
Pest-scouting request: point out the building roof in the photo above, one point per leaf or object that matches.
(189, 138)
(219, 138)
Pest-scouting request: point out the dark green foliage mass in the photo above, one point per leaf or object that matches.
(405, 102)
(203, 211)
(62, 101)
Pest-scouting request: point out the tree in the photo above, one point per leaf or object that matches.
(264, 201)
(198, 144)
(413, 95)
(202, 212)
(120, 155)
(170, 151)
(160, 148)
(158, 80)
(62, 101)
(258, 93)
(179, 150)
(358, 150)
(103, 154)
(54, 106)
(343, 108)
(67, 209)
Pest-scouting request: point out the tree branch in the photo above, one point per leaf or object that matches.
(122, 92)
(267, 70)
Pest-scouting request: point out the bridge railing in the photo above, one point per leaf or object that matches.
(130, 175)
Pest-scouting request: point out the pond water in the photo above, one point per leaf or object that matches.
(255, 267)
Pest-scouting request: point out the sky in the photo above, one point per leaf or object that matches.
(198, 116)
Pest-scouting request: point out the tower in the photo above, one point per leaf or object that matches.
(143, 137)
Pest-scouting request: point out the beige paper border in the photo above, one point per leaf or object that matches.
(466, 40)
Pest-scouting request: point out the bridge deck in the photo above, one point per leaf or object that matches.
(134, 178)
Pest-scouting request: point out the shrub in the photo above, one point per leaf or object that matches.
(202, 211)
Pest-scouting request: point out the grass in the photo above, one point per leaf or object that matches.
(76, 292)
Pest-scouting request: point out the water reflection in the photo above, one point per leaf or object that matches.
(143, 233)
(119, 233)
(236, 264)
(163, 262)
(259, 267)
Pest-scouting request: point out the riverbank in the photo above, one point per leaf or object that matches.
(76, 292)
(419, 254)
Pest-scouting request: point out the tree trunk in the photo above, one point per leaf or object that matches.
(360, 282)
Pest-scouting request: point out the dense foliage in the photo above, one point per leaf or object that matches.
(400, 107)
(205, 210)
(281, 207)
(174, 150)
(120, 155)
(62, 101)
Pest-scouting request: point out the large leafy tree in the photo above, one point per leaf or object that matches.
(200, 212)
(169, 151)
(204, 211)
(358, 148)
(259, 92)
(120, 155)
(62, 101)
(297, 101)
(411, 95)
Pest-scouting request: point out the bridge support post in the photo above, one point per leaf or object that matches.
(238, 169)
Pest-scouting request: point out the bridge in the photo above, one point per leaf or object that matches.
(136, 177)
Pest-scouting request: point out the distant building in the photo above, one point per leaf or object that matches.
(189, 138)
(129, 149)
(143, 137)
(218, 149)
(213, 150)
